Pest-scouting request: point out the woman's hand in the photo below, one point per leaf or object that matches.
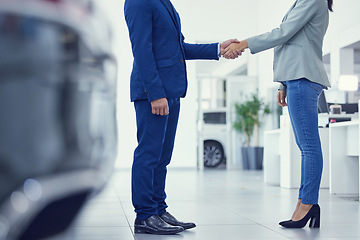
(234, 50)
(281, 98)
(226, 43)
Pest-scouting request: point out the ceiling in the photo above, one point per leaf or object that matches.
(356, 47)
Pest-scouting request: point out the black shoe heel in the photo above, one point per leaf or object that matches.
(315, 221)
(313, 215)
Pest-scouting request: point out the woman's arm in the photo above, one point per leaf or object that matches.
(297, 18)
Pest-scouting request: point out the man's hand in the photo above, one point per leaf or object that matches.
(160, 106)
(226, 44)
(235, 49)
(281, 96)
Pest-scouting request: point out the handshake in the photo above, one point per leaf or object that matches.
(232, 48)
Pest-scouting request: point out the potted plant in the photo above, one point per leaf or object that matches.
(249, 115)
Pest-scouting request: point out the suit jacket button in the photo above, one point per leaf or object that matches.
(181, 60)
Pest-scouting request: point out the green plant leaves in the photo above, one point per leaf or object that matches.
(249, 114)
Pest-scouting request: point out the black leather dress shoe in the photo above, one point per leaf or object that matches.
(170, 219)
(155, 225)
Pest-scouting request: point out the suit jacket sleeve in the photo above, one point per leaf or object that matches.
(296, 20)
(200, 51)
(138, 17)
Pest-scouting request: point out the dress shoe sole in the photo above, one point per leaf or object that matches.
(189, 227)
(186, 227)
(148, 231)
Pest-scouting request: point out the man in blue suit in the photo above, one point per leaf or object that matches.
(158, 81)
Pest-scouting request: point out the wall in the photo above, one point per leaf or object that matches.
(205, 21)
(343, 30)
(344, 25)
(264, 60)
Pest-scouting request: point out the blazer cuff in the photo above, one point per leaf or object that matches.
(282, 87)
(252, 45)
(153, 95)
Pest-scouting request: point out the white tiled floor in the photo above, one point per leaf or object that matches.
(225, 205)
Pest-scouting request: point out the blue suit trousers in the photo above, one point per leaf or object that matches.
(155, 135)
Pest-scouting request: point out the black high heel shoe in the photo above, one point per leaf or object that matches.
(281, 223)
(313, 214)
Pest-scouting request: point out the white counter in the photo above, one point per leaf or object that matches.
(344, 158)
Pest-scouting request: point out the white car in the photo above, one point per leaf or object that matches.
(214, 136)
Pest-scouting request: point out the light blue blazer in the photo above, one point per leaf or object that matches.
(159, 50)
(298, 43)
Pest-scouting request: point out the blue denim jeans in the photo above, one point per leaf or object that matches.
(302, 99)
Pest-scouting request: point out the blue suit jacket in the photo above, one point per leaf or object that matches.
(159, 50)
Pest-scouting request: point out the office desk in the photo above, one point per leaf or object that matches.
(344, 157)
(271, 164)
(282, 160)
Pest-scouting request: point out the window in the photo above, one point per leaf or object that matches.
(215, 118)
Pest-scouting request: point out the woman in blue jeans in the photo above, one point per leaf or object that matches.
(298, 43)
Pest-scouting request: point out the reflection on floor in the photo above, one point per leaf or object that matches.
(225, 205)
